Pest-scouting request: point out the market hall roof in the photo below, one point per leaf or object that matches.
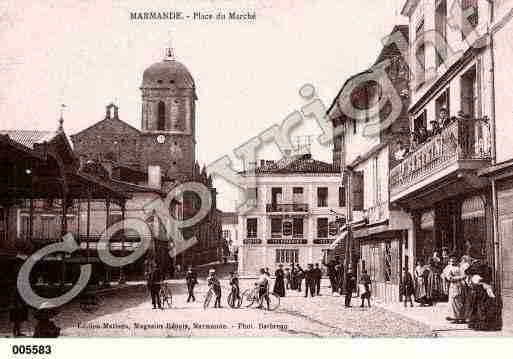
(30, 138)
(39, 173)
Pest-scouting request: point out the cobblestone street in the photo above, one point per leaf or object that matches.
(130, 313)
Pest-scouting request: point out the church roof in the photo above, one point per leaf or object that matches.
(166, 73)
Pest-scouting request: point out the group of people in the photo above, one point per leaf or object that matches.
(466, 285)
(340, 284)
(293, 278)
(421, 134)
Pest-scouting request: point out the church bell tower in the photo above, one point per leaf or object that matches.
(168, 119)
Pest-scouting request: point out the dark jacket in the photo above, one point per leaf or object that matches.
(190, 278)
(317, 273)
(330, 268)
(309, 275)
(350, 282)
(155, 277)
(407, 286)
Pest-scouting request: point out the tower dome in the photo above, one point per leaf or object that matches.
(167, 73)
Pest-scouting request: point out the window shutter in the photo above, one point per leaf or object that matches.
(357, 189)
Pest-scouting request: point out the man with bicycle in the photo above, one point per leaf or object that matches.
(263, 289)
(234, 284)
(215, 285)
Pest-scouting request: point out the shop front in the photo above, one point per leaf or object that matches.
(457, 226)
(381, 255)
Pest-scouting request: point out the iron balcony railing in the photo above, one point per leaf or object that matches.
(323, 240)
(252, 241)
(463, 139)
(286, 207)
(287, 241)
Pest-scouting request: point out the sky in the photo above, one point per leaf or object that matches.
(86, 54)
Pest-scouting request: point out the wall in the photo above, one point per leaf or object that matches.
(108, 138)
(503, 94)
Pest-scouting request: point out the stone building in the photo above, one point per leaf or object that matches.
(165, 144)
(150, 161)
(379, 232)
(297, 201)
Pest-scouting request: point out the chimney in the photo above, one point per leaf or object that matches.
(154, 177)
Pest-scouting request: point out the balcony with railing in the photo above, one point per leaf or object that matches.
(278, 208)
(462, 146)
(286, 240)
(252, 241)
(324, 240)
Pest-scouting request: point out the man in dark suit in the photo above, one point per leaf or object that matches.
(317, 277)
(154, 282)
(340, 278)
(310, 281)
(191, 280)
(350, 286)
(332, 275)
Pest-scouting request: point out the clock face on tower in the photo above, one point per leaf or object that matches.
(161, 138)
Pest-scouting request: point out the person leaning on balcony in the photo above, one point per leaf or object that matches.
(423, 134)
(414, 141)
(400, 151)
(443, 117)
(435, 128)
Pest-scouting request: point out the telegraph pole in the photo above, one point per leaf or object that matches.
(349, 220)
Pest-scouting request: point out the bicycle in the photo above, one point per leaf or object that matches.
(166, 295)
(252, 296)
(233, 301)
(208, 298)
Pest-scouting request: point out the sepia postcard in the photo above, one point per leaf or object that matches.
(255, 168)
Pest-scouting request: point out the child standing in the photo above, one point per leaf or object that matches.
(365, 283)
(407, 288)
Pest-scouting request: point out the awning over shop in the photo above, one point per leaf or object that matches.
(339, 239)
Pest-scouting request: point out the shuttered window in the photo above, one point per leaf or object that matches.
(357, 189)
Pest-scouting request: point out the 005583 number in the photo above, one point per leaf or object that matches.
(31, 349)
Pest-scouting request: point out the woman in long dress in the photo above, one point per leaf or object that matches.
(293, 277)
(279, 284)
(434, 284)
(456, 292)
(420, 283)
(485, 312)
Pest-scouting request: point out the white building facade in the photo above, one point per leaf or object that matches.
(297, 202)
